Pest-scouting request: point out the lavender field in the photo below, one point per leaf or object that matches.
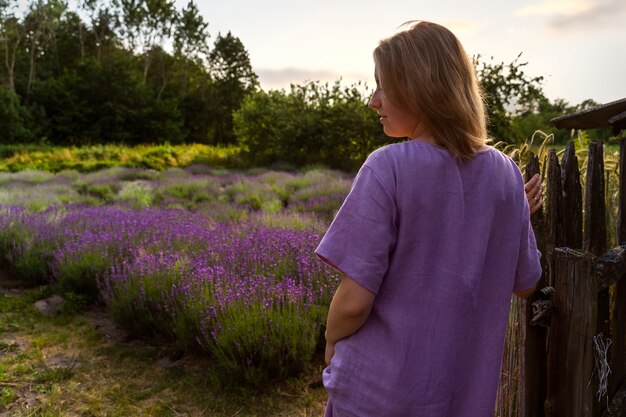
(212, 260)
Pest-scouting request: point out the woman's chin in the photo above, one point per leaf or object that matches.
(390, 133)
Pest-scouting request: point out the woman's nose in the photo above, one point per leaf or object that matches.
(374, 102)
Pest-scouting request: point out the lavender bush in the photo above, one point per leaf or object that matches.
(320, 192)
(211, 259)
(231, 194)
(250, 293)
(27, 241)
(186, 192)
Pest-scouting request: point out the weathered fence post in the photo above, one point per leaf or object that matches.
(594, 234)
(533, 386)
(619, 294)
(594, 237)
(572, 199)
(610, 270)
(554, 210)
(574, 323)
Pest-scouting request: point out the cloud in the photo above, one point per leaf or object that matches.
(271, 78)
(463, 27)
(607, 13)
(579, 15)
(556, 7)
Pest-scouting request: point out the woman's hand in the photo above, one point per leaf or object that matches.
(533, 193)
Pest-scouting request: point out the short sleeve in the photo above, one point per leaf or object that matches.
(528, 263)
(363, 234)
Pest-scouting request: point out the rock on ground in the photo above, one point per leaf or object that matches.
(50, 306)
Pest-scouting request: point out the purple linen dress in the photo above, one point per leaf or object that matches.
(442, 244)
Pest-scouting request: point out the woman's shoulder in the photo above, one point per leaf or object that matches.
(410, 159)
(504, 158)
(408, 150)
(424, 152)
(499, 162)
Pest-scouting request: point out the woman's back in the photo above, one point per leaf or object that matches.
(442, 244)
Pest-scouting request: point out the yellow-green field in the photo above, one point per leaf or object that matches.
(15, 158)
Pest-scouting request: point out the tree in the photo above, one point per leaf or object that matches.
(13, 117)
(311, 124)
(13, 34)
(160, 18)
(55, 64)
(230, 61)
(71, 38)
(41, 23)
(524, 125)
(190, 39)
(132, 16)
(234, 79)
(508, 92)
(94, 102)
(103, 24)
(147, 23)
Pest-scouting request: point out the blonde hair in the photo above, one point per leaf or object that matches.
(425, 70)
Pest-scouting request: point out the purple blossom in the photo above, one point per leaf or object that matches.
(185, 274)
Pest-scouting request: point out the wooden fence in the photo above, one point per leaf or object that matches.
(573, 331)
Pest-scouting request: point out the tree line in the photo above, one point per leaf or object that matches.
(141, 71)
(127, 71)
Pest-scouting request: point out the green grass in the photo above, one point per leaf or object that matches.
(53, 375)
(102, 377)
(15, 158)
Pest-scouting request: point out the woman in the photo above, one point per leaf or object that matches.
(432, 240)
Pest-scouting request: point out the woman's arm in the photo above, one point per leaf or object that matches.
(525, 293)
(348, 311)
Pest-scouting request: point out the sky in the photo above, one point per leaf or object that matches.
(578, 46)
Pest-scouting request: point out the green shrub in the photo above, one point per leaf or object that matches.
(31, 267)
(75, 303)
(104, 192)
(28, 175)
(27, 249)
(190, 189)
(96, 157)
(312, 124)
(39, 198)
(223, 212)
(78, 274)
(255, 194)
(139, 193)
(13, 117)
(256, 345)
(271, 206)
(12, 237)
(138, 174)
(142, 305)
(290, 220)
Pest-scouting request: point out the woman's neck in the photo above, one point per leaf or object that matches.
(423, 134)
